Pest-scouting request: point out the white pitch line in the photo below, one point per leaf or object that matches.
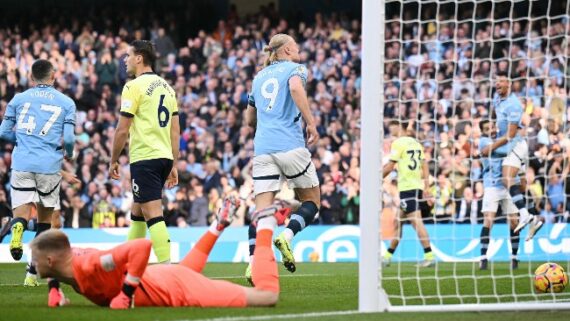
(280, 316)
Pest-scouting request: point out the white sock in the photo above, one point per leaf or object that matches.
(213, 228)
(251, 259)
(288, 234)
(267, 223)
(523, 213)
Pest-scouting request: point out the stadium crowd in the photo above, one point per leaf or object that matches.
(211, 74)
(438, 76)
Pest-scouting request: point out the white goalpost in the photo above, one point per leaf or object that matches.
(438, 58)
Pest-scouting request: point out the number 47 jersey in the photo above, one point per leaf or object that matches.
(40, 114)
(278, 118)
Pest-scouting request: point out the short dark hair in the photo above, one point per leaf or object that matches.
(395, 122)
(502, 73)
(483, 123)
(41, 69)
(145, 48)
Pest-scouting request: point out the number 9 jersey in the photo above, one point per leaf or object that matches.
(278, 118)
(152, 103)
(40, 114)
(409, 154)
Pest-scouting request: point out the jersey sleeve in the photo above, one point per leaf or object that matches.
(134, 256)
(484, 142)
(70, 114)
(174, 104)
(251, 100)
(395, 151)
(10, 113)
(421, 157)
(129, 101)
(301, 71)
(514, 112)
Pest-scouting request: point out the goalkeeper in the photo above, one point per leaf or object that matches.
(120, 277)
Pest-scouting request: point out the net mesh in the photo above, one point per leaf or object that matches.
(441, 58)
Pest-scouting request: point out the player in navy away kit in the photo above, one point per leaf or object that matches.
(36, 120)
(277, 104)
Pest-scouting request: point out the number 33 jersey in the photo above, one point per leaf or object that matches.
(409, 154)
(278, 118)
(40, 114)
(152, 103)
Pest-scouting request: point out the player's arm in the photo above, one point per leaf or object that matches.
(129, 106)
(119, 141)
(251, 112)
(69, 132)
(299, 95)
(388, 168)
(133, 256)
(514, 118)
(7, 127)
(395, 153)
(251, 116)
(175, 142)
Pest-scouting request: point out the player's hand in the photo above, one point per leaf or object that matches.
(70, 178)
(172, 179)
(121, 301)
(114, 171)
(312, 135)
(56, 298)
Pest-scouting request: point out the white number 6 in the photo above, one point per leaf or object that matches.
(271, 95)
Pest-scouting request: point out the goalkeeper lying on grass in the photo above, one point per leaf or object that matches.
(121, 277)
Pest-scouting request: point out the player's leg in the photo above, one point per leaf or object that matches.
(137, 230)
(267, 180)
(491, 199)
(265, 274)
(489, 218)
(302, 176)
(196, 259)
(512, 219)
(418, 224)
(387, 259)
(44, 224)
(511, 167)
(23, 194)
(539, 221)
(148, 178)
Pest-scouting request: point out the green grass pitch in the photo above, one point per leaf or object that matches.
(315, 288)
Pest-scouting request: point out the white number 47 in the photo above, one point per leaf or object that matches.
(30, 124)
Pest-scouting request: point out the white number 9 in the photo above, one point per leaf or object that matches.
(271, 95)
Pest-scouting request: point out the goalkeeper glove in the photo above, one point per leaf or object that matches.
(56, 298)
(125, 298)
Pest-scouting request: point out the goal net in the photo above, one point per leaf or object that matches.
(435, 63)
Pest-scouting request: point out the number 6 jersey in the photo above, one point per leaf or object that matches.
(40, 114)
(409, 154)
(152, 103)
(278, 118)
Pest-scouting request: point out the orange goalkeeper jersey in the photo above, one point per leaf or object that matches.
(100, 276)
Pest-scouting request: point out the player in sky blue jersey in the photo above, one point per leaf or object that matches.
(509, 113)
(37, 120)
(495, 194)
(277, 104)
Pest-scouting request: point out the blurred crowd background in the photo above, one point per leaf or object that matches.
(437, 74)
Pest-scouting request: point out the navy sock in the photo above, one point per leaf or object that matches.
(515, 238)
(304, 217)
(251, 234)
(484, 240)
